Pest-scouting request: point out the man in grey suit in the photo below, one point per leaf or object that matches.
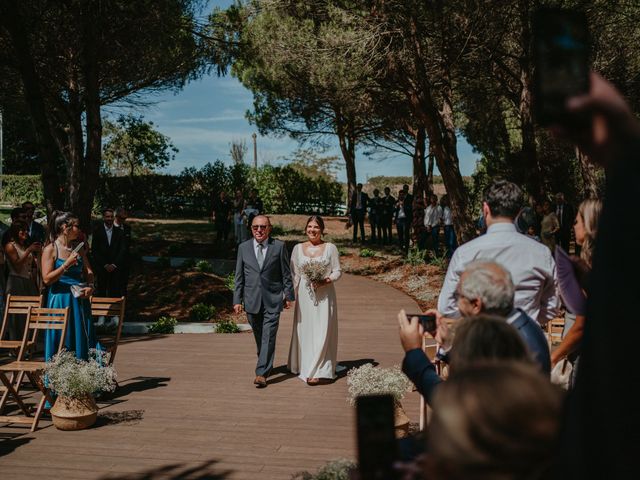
(263, 284)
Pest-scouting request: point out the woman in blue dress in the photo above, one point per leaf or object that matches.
(62, 268)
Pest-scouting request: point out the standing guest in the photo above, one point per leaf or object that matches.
(450, 240)
(530, 264)
(37, 232)
(388, 210)
(20, 257)
(17, 213)
(263, 287)
(107, 250)
(432, 220)
(313, 350)
(419, 230)
(359, 202)
(401, 220)
(565, 214)
(549, 227)
(63, 271)
(239, 228)
(375, 213)
(221, 216)
(408, 210)
(121, 223)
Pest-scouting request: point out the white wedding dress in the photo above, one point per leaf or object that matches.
(314, 342)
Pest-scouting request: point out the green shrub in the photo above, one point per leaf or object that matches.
(277, 230)
(415, 257)
(163, 325)
(367, 253)
(342, 251)
(441, 262)
(189, 263)
(227, 326)
(201, 312)
(21, 188)
(334, 470)
(230, 281)
(173, 249)
(204, 266)
(163, 261)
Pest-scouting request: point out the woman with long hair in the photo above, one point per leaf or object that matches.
(69, 277)
(314, 341)
(586, 230)
(19, 259)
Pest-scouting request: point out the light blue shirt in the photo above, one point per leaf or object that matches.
(530, 264)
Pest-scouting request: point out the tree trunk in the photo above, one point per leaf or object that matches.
(432, 159)
(47, 148)
(589, 175)
(420, 183)
(347, 142)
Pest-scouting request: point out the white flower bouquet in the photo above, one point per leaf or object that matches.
(72, 377)
(315, 270)
(369, 380)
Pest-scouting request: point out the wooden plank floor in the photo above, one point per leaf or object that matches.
(187, 407)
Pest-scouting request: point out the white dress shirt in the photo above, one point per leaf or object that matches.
(265, 246)
(109, 232)
(432, 216)
(447, 216)
(530, 263)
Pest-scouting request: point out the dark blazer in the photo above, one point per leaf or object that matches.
(534, 338)
(354, 201)
(266, 287)
(417, 366)
(566, 222)
(103, 253)
(38, 233)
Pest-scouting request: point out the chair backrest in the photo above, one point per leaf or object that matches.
(110, 307)
(554, 329)
(39, 319)
(18, 305)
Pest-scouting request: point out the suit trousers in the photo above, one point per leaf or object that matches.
(265, 329)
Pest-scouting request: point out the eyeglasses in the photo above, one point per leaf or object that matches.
(259, 227)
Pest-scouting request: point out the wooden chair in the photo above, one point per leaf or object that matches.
(38, 319)
(553, 330)
(430, 350)
(109, 307)
(16, 305)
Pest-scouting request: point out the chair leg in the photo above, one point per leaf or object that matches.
(36, 379)
(14, 393)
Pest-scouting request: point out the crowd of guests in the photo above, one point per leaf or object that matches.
(235, 214)
(58, 262)
(498, 414)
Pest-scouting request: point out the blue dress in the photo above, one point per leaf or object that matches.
(80, 332)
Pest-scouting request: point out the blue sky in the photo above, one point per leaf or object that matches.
(208, 114)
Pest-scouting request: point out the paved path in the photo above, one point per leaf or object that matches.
(187, 407)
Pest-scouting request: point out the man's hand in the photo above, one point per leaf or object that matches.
(411, 332)
(237, 308)
(287, 304)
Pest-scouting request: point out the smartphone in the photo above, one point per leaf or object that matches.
(561, 47)
(78, 247)
(377, 446)
(428, 322)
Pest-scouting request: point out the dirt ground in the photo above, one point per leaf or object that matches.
(156, 291)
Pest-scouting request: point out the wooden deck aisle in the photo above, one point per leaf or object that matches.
(187, 407)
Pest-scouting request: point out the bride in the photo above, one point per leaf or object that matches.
(314, 342)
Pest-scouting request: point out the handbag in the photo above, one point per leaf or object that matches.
(561, 373)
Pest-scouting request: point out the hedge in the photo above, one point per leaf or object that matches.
(17, 189)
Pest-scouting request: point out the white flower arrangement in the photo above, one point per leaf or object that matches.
(315, 270)
(369, 380)
(72, 377)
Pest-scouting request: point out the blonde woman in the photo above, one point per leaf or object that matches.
(586, 230)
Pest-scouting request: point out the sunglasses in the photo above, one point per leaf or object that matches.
(259, 227)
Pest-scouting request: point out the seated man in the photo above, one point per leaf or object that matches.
(485, 287)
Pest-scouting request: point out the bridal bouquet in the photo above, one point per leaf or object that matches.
(316, 272)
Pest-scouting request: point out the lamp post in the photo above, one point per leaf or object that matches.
(255, 151)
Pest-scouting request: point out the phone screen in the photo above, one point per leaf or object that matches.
(561, 58)
(428, 322)
(78, 247)
(377, 448)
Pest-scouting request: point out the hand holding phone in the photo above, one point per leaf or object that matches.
(78, 247)
(428, 322)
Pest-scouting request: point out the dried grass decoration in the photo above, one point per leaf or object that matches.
(315, 271)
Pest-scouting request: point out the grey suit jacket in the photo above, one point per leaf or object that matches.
(268, 286)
